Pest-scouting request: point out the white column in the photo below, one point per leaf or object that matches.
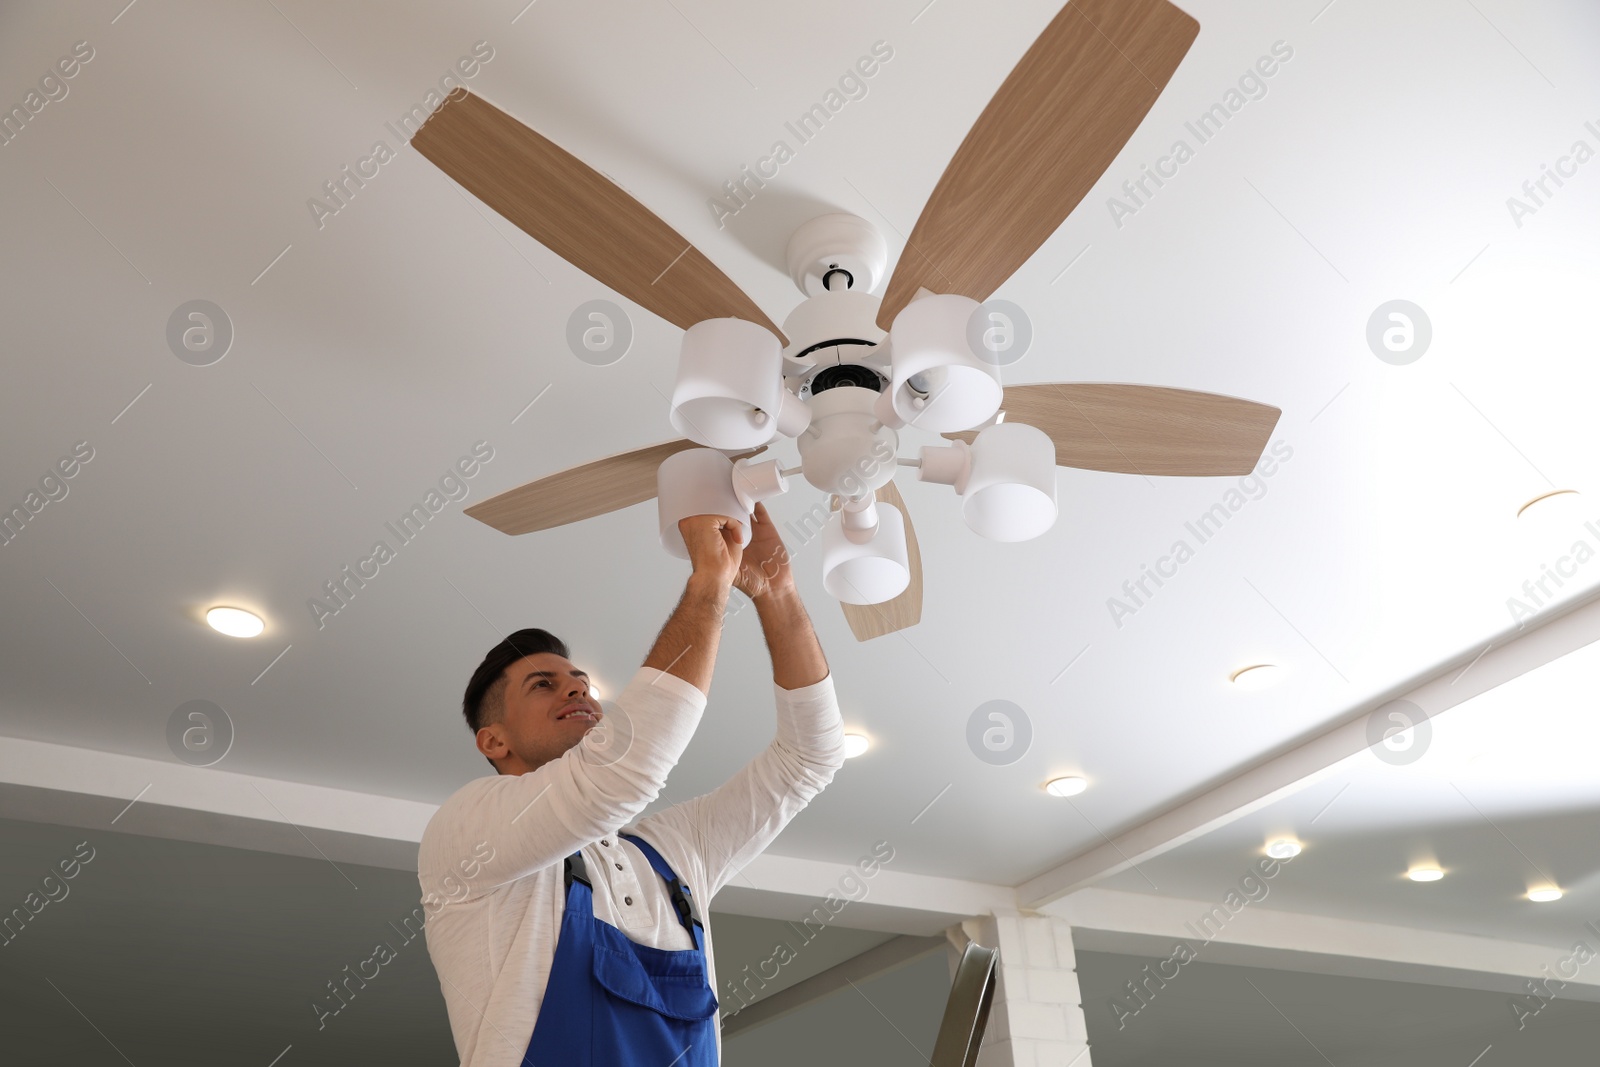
(1037, 1016)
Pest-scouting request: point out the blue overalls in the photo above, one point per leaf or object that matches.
(611, 1002)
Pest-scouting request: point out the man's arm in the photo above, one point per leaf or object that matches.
(529, 821)
(797, 658)
(717, 834)
(687, 645)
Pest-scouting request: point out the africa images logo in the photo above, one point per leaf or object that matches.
(453, 487)
(1137, 592)
(339, 190)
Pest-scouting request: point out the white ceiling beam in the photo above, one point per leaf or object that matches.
(43, 782)
(83, 787)
(1468, 675)
(1142, 924)
(923, 905)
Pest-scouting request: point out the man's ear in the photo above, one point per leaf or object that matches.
(491, 741)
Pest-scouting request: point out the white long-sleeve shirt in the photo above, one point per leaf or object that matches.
(490, 859)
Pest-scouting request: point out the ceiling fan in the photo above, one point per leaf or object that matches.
(850, 369)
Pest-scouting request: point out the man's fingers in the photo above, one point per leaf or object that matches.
(709, 522)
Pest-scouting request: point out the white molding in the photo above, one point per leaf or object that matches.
(1140, 924)
(105, 782)
(923, 905)
(44, 782)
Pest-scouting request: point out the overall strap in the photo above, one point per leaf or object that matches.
(574, 867)
(681, 901)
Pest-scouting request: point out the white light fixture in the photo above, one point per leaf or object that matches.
(938, 383)
(1425, 874)
(855, 745)
(1544, 896)
(1006, 478)
(702, 481)
(235, 622)
(864, 556)
(1257, 676)
(1285, 848)
(730, 391)
(1011, 489)
(1070, 786)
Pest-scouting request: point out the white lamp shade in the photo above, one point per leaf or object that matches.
(730, 392)
(1010, 493)
(929, 339)
(868, 573)
(696, 481)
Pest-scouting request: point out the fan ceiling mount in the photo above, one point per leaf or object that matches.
(850, 370)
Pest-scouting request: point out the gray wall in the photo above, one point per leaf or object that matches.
(1214, 1015)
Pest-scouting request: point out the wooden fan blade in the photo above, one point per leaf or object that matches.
(1052, 129)
(578, 213)
(874, 620)
(596, 488)
(1142, 429)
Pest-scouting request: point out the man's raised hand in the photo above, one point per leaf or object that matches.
(714, 549)
(765, 566)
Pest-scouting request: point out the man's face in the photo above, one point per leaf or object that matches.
(549, 706)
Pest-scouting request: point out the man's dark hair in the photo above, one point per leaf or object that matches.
(485, 696)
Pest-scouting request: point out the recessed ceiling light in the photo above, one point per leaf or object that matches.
(1424, 874)
(1545, 496)
(235, 622)
(855, 745)
(1544, 896)
(1256, 676)
(1069, 786)
(1285, 848)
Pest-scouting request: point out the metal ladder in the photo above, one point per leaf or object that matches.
(966, 1012)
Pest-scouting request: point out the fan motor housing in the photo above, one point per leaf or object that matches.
(834, 340)
(842, 315)
(846, 374)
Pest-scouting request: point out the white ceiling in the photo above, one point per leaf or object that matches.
(1502, 797)
(376, 350)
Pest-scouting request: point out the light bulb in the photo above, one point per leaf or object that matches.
(235, 622)
(1286, 848)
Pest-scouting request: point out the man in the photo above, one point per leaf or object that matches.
(559, 941)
